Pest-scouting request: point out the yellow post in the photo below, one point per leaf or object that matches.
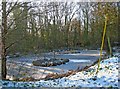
(103, 38)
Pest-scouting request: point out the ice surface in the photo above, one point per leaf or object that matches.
(106, 77)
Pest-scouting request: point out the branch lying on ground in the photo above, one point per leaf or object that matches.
(56, 75)
(72, 72)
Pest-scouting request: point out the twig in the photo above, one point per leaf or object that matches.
(14, 43)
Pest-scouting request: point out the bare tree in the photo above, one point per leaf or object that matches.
(6, 25)
(3, 32)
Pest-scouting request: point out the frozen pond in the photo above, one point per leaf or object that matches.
(81, 59)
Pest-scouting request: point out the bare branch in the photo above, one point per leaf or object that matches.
(17, 41)
(12, 7)
(73, 14)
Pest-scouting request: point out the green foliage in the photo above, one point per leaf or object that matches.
(43, 35)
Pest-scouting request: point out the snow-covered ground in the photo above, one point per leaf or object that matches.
(106, 77)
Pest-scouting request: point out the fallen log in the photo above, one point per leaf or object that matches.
(72, 72)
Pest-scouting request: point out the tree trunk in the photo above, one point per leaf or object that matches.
(3, 50)
(109, 44)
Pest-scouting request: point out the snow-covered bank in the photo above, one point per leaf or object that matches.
(107, 77)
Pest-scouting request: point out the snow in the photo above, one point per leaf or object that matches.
(73, 54)
(106, 77)
(73, 60)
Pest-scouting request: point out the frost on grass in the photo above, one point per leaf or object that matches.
(106, 77)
